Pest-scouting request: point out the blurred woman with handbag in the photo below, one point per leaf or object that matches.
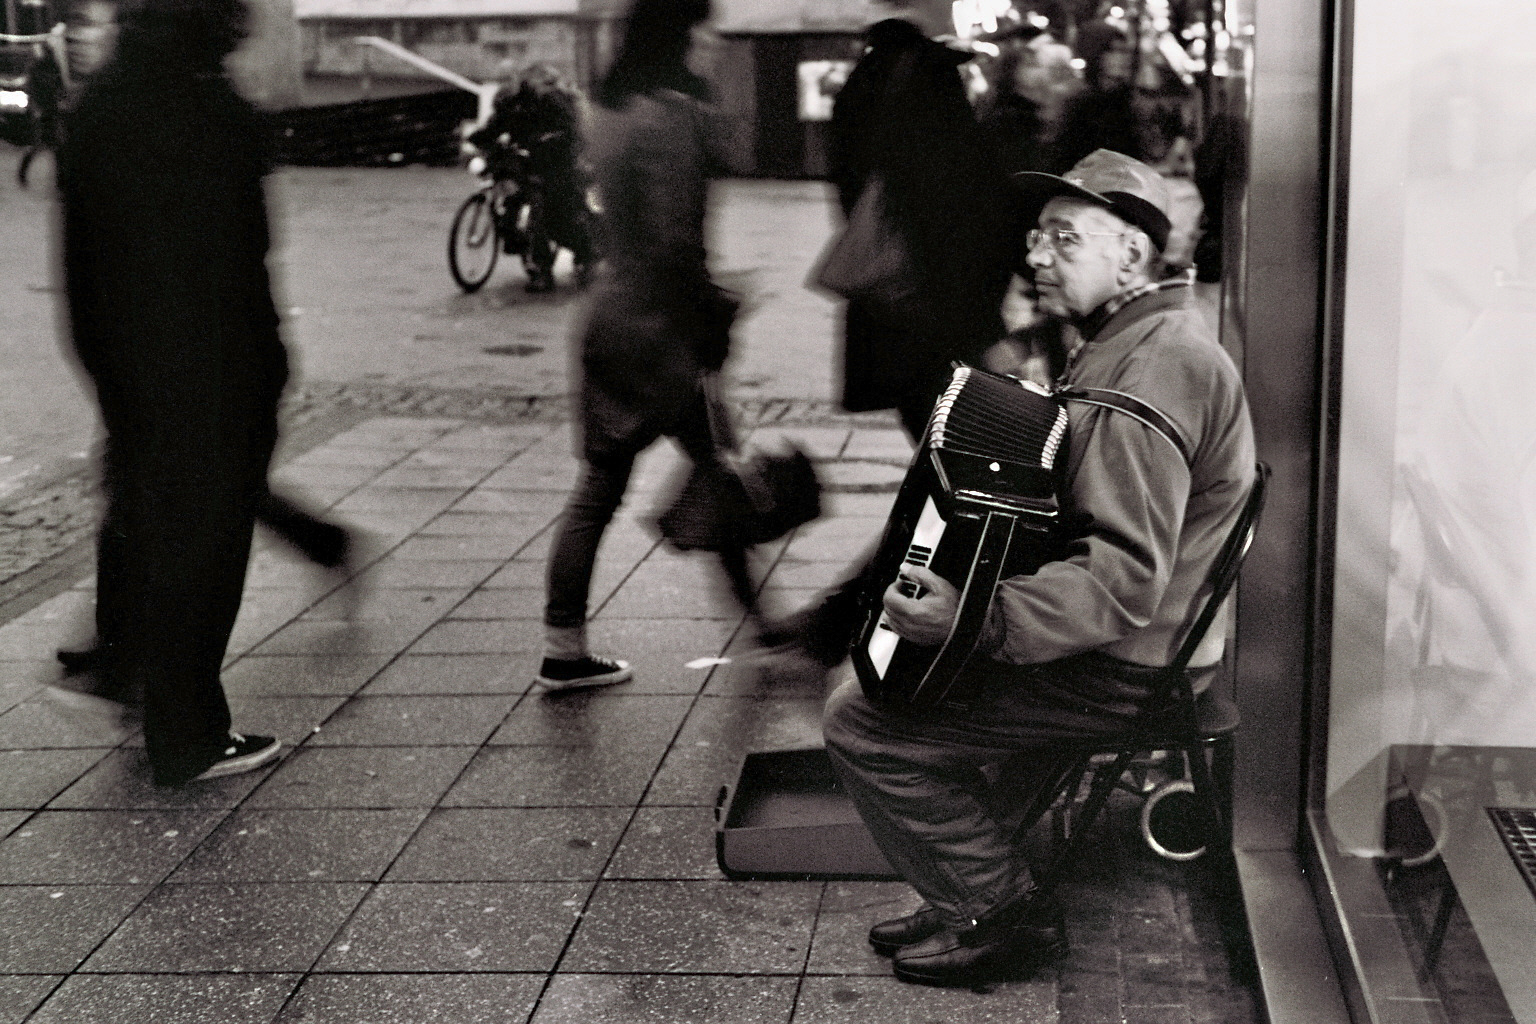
(657, 324)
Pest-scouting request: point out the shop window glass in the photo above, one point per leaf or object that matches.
(1432, 714)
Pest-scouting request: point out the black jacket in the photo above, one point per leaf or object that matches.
(165, 240)
(903, 115)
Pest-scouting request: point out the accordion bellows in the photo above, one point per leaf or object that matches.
(984, 415)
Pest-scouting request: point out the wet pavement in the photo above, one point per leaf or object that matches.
(445, 842)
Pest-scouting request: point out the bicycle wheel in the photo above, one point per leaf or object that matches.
(472, 242)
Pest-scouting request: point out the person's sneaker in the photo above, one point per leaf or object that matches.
(244, 754)
(575, 673)
(79, 661)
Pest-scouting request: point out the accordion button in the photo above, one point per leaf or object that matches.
(995, 467)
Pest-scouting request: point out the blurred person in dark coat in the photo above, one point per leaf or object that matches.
(165, 240)
(903, 116)
(1022, 117)
(1102, 116)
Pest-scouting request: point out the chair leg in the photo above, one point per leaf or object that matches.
(1066, 778)
(1211, 794)
(1213, 784)
(1104, 780)
(1223, 767)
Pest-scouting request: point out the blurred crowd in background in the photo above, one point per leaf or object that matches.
(1061, 78)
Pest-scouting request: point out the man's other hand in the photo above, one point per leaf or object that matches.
(927, 619)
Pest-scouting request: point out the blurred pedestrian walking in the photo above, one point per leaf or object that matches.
(657, 324)
(903, 119)
(903, 123)
(165, 238)
(1102, 116)
(1022, 116)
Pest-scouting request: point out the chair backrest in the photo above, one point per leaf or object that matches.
(1224, 570)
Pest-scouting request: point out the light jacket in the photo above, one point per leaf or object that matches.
(1133, 579)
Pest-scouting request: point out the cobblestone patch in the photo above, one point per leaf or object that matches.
(45, 521)
(496, 404)
(39, 524)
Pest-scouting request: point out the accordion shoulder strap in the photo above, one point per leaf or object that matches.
(1149, 414)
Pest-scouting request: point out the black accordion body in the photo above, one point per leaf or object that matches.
(979, 504)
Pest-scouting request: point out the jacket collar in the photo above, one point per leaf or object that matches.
(1172, 294)
(1131, 306)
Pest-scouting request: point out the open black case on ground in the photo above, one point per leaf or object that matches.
(787, 817)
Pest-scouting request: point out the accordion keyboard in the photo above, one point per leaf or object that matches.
(925, 540)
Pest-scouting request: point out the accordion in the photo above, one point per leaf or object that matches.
(978, 504)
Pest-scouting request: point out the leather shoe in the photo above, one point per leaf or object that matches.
(889, 936)
(1012, 944)
(81, 661)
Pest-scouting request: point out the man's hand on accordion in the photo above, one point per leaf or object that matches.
(927, 618)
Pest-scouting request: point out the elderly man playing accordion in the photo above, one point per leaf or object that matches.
(1071, 650)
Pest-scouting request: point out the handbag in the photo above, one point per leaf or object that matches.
(871, 262)
(738, 499)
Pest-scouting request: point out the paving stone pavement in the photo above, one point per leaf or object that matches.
(49, 518)
(443, 842)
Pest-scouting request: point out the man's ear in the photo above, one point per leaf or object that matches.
(1135, 250)
(1138, 253)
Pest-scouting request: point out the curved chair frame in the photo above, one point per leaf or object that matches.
(1182, 721)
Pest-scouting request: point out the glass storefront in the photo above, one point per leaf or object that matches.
(1428, 812)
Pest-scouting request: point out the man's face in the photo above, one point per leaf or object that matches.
(1082, 270)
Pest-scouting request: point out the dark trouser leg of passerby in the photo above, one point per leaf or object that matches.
(323, 543)
(920, 784)
(171, 573)
(599, 491)
(825, 630)
(177, 536)
(738, 576)
(567, 216)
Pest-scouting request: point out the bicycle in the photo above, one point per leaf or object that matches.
(507, 213)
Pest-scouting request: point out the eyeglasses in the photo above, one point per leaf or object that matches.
(1063, 241)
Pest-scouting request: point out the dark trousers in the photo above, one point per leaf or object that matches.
(171, 566)
(597, 496)
(825, 630)
(321, 542)
(944, 790)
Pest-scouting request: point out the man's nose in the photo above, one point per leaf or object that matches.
(1039, 254)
